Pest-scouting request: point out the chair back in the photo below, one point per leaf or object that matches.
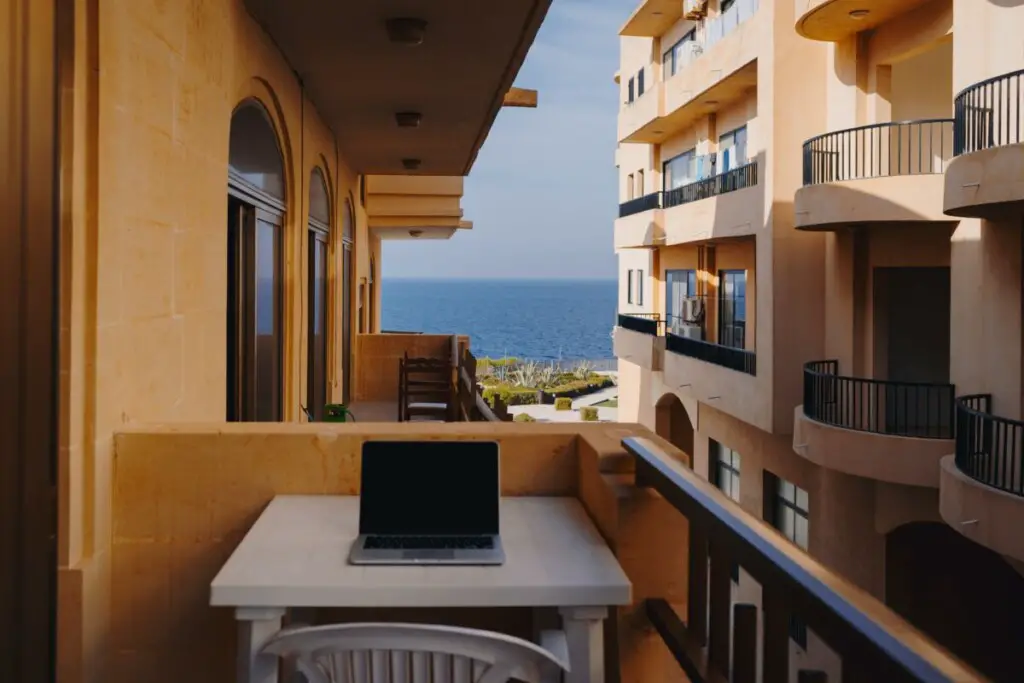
(413, 653)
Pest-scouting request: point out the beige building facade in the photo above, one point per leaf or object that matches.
(819, 242)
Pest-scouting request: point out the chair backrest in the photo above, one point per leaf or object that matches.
(412, 653)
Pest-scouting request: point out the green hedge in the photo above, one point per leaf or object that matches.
(563, 403)
(524, 417)
(512, 396)
(588, 414)
(495, 362)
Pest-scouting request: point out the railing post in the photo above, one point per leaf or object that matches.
(744, 641)
(721, 598)
(775, 647)
(697, 599)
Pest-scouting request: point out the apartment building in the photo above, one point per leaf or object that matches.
(819, 243)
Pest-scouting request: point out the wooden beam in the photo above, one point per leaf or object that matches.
(521, 97)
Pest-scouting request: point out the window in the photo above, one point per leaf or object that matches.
(675, 59)
(629, 97)
(629, 187)
(725, 474)
(732, 308)
(639, 288)
(640, 83)
(732, 149)
(680, 285)
(316, 334)
(787, 509)
(678, 171)
(639, 183)
(629, 286)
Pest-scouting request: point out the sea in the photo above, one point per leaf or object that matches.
(549, 320)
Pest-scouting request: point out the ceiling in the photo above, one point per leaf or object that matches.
(358, 79)
(653, 18)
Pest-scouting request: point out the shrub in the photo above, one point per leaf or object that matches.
(524, 417)
(512, 396)
(588, 414)
(563, 403)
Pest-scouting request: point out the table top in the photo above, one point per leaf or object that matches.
(296, 555)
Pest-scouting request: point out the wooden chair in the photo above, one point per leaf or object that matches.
(415, 653)
(424, 389)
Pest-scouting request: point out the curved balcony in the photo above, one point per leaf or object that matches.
(881, 173)
(835, 20)
(895, 432)
(986, 179)
(982, 490)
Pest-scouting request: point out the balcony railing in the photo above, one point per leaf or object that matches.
(989, 114)
(879, 150)
(644, 323)
(719, 640)
(877, 406)
(989, 449)
(725, 23)
(730, 181)
(740, 360)
(640, 204)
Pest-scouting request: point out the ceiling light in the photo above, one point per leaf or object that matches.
(408, 119)
(712, 103)
(657, 132)
(859, 13)
(415, 233)
(411, 164)
(406, 30)
(656, 13)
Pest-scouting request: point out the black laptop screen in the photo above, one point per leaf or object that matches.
(429, 487)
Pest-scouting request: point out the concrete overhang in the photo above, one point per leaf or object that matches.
(414, 207)
(836, 20)
(652, 18)
(988, 183)
(457, 77)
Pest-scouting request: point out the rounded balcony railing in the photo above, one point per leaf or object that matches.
(882, 149)
(989, 449)
(877, 406)
(989, 114)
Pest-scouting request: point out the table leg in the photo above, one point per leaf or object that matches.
(255, 626)
(584, 632)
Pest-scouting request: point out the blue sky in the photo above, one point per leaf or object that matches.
(542, 195)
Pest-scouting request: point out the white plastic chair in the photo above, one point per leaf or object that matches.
(417, 653)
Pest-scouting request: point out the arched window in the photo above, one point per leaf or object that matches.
(317, 352)
(256, 207)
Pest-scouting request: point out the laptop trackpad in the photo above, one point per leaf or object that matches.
(428, 554)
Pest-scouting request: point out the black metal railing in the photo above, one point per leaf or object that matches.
(879, 150)
(740, 360)
(640, 204)
(989, 449)
(730, 181)
(879, 406)
(717, 639)
(644, 323)
(989, 114)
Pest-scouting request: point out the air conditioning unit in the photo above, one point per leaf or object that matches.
(695, 332)
(692, 309)
(694, 9)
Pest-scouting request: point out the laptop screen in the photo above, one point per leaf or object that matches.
(429, 488)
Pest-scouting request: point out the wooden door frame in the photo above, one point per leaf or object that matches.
(29, 335)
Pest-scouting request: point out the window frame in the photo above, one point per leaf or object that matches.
(670, 66)
(726, 166)
(731, 467)
(729, 326)
(640, 287)
(776, 502)
(629, 286)
(666, 176)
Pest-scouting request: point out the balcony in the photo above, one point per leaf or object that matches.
(652, 18)
(173, 533)
(881, 173)
(640, 222)
(895, 432)
(982, 491)
(639, 338)
(641, 113)
(836, 20)
(716, 69)
(986, 179)
(725, 205)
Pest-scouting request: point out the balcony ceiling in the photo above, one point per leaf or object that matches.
(830, 20)
(358, 79)
(653, 18)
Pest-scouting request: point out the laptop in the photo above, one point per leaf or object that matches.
(429, 502)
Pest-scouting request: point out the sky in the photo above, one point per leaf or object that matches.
(542, 195)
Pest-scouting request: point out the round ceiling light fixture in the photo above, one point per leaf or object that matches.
(411, 164)
(406, 30)
(712, 103)
(408, 119)
(859, 13)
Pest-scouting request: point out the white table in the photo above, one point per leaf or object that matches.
(296, 556)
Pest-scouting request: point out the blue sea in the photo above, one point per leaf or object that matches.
(536, 319)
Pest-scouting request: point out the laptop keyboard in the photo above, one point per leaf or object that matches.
(429, 542)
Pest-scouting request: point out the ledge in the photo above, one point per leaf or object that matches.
(988, 183)
(890, 199)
